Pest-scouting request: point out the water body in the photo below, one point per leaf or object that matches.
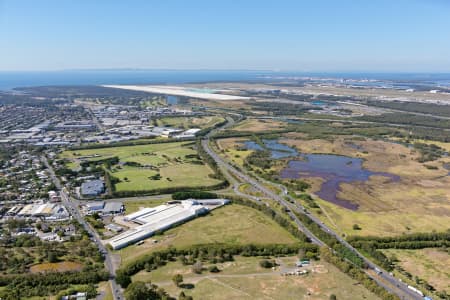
(172, 100)
(333, 169)
(447, 167)
(293, 121)
(319, 103)
(10, 80)
(276, 149)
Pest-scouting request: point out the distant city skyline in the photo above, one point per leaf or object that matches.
(289, 35)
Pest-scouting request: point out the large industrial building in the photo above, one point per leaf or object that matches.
(154, 219)
(92, 188)
(50, 211)
(105, 208)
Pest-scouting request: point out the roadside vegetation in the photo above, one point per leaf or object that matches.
(395, 254)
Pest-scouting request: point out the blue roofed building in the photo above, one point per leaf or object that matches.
(92, 188)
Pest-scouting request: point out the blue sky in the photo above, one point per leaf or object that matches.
(319, 35)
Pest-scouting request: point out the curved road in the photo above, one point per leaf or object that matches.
(395, 286)
(399, 288)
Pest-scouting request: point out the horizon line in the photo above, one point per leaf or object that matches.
(227, 70)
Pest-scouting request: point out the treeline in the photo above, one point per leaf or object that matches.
(193, 195)
(342, 251)
(427, 108)
(308, 199)
(210, 161)
(205, 131)
(370, 245)
(431, 236)
(408, 119)
(110, 182)
(297, 185)
(281, 109)
(107, 162)
(20, 286)
(212, 252)
(356, 273)
(231, 133)
(260, 159)
(143, 141)
(433, 134)
(168, 190)
(429, 152)
(139, 290)
(403, 245)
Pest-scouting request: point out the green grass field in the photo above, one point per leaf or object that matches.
(180, 175)
(135, 153)
(176, 163)
(232, 224)
(388, 223)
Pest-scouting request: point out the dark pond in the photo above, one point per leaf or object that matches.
(447, 167)
(293, 121)
(318, 103)
(277, 150)
(334, 169)
(172, 100)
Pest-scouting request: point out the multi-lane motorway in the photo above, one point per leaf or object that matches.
(382, 277)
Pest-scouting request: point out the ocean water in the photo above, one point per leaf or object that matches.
(10, 80)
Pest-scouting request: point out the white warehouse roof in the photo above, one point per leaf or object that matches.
(156, 219)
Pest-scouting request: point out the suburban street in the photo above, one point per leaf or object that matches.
(73, 208)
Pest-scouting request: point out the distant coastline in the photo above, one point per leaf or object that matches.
(14, 79)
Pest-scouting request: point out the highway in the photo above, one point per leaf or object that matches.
(396, 286)
(73, 207)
